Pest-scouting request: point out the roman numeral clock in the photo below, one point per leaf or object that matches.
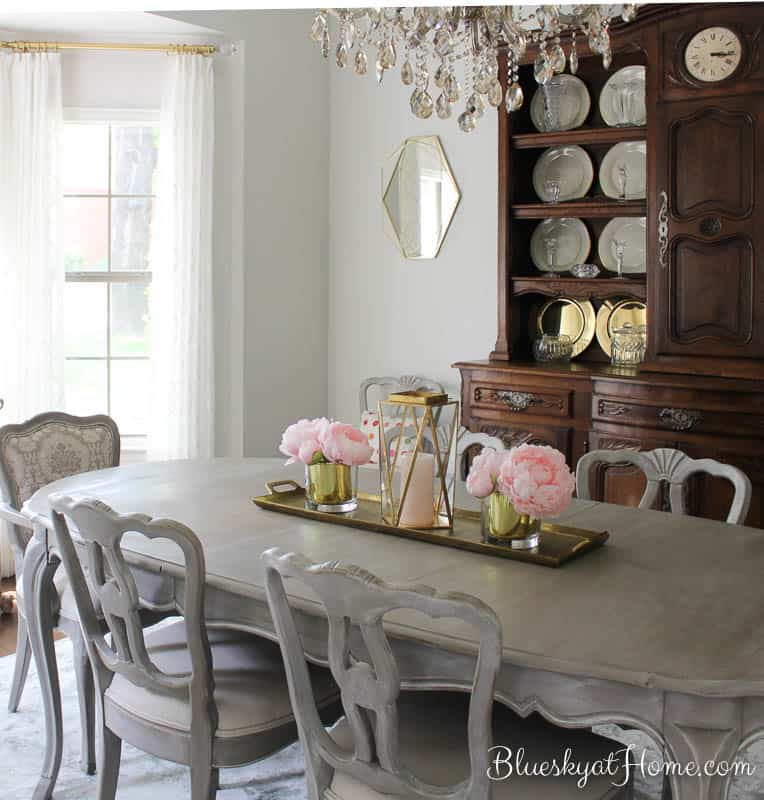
(713, 54)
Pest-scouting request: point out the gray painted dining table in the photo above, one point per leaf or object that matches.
(660, 629)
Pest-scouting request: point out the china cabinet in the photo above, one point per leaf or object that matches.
(701, 386)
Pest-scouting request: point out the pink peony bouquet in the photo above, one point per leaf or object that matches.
(484, 472)
(534, 477)
(320, 441)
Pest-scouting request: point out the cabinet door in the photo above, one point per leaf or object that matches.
(707, 295)
(623, 484)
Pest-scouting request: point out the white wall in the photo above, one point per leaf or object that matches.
(389, 315)
(285, 184)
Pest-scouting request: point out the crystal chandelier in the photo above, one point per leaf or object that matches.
(463, 42)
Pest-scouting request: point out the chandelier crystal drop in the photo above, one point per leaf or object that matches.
(459, 47)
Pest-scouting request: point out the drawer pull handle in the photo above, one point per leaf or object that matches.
(517, 401)
(679, 419)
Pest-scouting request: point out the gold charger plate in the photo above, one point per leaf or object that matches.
(558, 543)
(565, 315)
(615, 314)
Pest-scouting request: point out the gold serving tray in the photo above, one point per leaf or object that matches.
(559, 543)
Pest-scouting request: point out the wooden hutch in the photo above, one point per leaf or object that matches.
(700, 388)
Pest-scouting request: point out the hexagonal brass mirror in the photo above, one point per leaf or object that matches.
(420, 196)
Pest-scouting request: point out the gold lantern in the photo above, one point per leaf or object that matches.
(417, 459)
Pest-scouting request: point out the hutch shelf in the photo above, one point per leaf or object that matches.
(701, 388)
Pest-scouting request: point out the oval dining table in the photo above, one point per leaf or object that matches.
(659, 629)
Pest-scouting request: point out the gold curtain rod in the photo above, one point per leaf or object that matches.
(34, 47)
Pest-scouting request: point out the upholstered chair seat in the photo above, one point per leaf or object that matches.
(250, 690)
(434, 747)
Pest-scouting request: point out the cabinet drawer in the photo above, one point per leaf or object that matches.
(676, 418)
(529, 401)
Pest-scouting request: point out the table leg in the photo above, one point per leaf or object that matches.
(705, 733)
(39, 592)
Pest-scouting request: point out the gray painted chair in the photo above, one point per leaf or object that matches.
(428, 745)
(206, 698)
(672, 466)
(387, 384)
(43, 449)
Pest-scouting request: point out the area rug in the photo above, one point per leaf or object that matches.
(142, 777)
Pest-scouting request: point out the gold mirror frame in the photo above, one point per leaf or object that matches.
(402, 196)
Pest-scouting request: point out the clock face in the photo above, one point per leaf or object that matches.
(713, 54)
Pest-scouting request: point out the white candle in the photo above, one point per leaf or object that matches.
(418, 507)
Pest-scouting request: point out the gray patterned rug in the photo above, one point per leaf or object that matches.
(145, 778)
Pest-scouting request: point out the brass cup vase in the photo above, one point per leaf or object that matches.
(504, 525)
(331, 487)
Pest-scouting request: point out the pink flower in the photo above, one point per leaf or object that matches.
(298, 438)
(484, 471)
(537, 480)
(344, 444)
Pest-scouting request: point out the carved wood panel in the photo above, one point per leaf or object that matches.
(711, 154)
(722, 273)
(514, 436)
(707, 294)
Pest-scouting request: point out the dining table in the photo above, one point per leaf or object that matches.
(659, 629)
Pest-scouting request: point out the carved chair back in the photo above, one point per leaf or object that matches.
(46, 448)
(675, 468)
(367, 673)
(109, 579)
(468, 439)
(387, 384)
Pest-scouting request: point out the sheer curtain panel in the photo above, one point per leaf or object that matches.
(182, 408)
(31, 272)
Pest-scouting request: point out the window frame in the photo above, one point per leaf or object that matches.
(133, 443)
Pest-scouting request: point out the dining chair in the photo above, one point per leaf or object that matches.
(390, 384)
(467, 439)
(208, 697)
(394, 745)
(43, 449)
(673, 467)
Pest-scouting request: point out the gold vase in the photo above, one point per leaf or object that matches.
(503, 524)
(330, 487)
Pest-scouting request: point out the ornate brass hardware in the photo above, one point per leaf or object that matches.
(679, 419)
(663, 230)
(517, 401)
(711, 226)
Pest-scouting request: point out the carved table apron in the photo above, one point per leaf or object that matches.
(659, 629)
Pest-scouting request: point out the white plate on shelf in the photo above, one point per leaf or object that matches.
(570, 165)
(560, 243)
(560, 105)
(628, 156)
(622, 100)
(632, 231)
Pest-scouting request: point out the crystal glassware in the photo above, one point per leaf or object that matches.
(585, 271)
(620, 250)
(552, 190)
(628, 345)
(550, 245)
(551, 347)
(621, 179)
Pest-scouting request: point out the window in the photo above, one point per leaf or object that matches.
(109, 183)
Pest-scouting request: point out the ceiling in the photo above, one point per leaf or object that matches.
(76, 23)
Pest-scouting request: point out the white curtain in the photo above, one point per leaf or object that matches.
(31, 272)
(183, 382)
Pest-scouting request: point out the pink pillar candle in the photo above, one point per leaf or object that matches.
(418, 508)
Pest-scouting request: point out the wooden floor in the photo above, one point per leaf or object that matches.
(8, 622)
